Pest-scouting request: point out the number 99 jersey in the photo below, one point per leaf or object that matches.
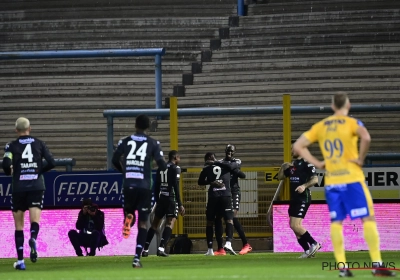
(337, 138)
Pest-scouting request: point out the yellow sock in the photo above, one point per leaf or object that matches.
(371, 236)
(338, 243)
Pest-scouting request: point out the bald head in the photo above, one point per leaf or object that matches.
(22, 125)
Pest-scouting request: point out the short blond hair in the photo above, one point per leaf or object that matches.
(22, 124)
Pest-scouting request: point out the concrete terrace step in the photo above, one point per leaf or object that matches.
(114, 23)
(250, 99)
(171, 57)
(122, 11)
(315, 28)
(79, 102)
(308, 62)
(95, 69)
(80, 91)
(320, 17)
(297, 74)
(29, 4)
(192, 44)
(312, 39)
(109, 34)
(305, 51)
(295, 86)
(54, 80)
(321, 6)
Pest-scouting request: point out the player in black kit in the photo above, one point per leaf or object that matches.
(23, 159)
(167, 202)
(230, 150)
(138, 151)
(217, 174)
(302, 176)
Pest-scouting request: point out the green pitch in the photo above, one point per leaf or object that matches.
(181, 267)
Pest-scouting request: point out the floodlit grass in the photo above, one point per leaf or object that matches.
(180, 267)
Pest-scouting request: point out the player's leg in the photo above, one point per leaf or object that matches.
(35, 201)
(227, 208)
(295, 218)
(361, 206)
(210, 216)
(314, 245)
(219, 230)
(128, 205)
(166, 235)
(143, 206)
(18, 207)
(159, 213)
(295, 225)
(19, 238)
(338, 213)
(171, 214)
(246, 248)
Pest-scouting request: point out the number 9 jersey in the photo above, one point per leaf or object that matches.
(338, 140)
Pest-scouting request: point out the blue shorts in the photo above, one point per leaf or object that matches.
(352, 199)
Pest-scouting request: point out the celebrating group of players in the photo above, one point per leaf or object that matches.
(345, 188)
(138, 151)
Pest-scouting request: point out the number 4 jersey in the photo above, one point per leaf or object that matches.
(138, 152)
(26, 157)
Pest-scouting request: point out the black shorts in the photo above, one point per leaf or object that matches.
(22, 201)
(236, 197)
(298, 209)
(220, 206)
(166, 207)
(137, 199)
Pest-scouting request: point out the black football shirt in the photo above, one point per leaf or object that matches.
(26, 154)
(299, 174)
(138, 152)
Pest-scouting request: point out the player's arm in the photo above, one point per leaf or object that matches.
(48, 157)
(117, 156)
(312, 174)
(365, 142)
(283, 171)
(202, 181)
(175, 183)
(225, 165)
(157, 186)
(158, 156)
(239, 173)
(7, 160)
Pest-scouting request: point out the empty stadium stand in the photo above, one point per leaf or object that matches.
(308, 49)
(65, 98)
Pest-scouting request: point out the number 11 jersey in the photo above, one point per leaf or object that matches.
(338, 141)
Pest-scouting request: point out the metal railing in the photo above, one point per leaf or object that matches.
(156, 52)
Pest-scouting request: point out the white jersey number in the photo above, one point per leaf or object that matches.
(141, 152)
